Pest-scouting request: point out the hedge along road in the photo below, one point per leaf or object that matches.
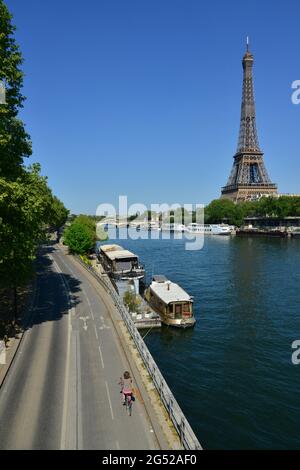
(62, 389)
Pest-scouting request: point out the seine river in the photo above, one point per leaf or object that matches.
(232, 374)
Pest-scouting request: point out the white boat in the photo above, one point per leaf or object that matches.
(222, 229)
(208, 229)
(198, 228)
(152, 225)
(179, 228)
(168, 228)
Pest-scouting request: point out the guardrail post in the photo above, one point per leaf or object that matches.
(182, 431)
(161, 387)
(170, 406)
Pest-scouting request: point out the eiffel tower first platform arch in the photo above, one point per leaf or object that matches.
(249, 178)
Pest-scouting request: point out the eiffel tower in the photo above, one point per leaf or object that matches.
(249, 178)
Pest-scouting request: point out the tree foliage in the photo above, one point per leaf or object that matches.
(58, 214)
(15, 143)
(132, 301)
(27, 208)
(224, 210)
(27, 205)
(80, 236)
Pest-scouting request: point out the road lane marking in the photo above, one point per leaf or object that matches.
(89, 303)
(67, 267)
(96, 333)
(111, 410)
(101, 357)
(82, 289)
(104, 327)
(71, 311)
(66, 388)
(84, 319)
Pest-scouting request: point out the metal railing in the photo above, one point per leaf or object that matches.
(186, 434)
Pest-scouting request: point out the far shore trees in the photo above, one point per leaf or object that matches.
(224, 210)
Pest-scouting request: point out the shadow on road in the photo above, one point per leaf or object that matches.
(56, 292)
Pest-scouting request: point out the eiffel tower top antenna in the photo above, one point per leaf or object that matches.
(248, 43)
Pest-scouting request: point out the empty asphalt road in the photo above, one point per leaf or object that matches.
(62, 389)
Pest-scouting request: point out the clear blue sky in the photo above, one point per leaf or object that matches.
(143, 97)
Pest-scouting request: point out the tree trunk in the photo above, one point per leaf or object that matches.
(15, 302)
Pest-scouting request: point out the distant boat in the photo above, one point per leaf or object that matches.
(208, 229)
(254, 232)
(179, 228)
(295, 233)
(168, 228)
(174, 304)
(172, 228)
(152, 225)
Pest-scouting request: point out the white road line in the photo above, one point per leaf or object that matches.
(67, 267)
(89, 303)
(82, 290)
(111, 410)
(101, 357)
(68, 361)
(96, 333)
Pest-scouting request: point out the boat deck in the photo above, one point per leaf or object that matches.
(147, 317)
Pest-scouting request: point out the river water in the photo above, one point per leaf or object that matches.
(232, 374)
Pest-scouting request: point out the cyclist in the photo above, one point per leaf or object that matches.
(126, 386)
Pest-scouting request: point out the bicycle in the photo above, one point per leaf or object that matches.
(128, 403)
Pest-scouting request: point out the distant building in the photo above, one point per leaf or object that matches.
(286, 195)
(273, 222)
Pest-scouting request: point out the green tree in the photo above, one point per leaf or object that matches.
(132, 301)
(25, 205)
(224, 210)
(14, 141)
(58, 214)
(86, 220)
(79, 238)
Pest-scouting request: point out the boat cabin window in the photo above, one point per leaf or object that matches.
(171, 311)
(125, 265)
(178, 311)
(186, 310)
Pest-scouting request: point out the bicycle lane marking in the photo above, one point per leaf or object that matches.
(108, 395)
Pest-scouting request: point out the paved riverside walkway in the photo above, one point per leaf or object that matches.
(61, 391)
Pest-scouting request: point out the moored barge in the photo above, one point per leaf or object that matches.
(253, 232)
(295, 233)
(171, 302)
(120, 264)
